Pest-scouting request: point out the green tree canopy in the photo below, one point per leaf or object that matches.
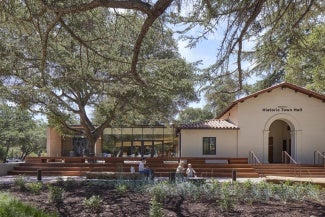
(191, 115)
(87, 68)
(65, 57)
(255, 39)
(255, 32)
(19, 130)
(306, 67)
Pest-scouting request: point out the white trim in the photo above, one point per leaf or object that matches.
(295, 131)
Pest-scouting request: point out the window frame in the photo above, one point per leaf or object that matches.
(212, 145)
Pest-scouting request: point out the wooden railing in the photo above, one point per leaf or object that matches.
(286, 156)
(253, 159)
(318, 155)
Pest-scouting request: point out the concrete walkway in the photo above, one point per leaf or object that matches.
(275, 179)
(45, 179)
(50, 179)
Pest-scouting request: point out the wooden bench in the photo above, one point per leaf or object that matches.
(132, 162)
(170, 162)
(216, 161)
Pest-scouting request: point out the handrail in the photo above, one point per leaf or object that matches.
(253, 158)
(318, 154)
(285, 155)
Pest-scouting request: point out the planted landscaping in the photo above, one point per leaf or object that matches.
(129, 198)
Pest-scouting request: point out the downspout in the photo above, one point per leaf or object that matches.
(237, 142)
(180, 144)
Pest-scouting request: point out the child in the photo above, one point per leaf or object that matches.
(190, 172)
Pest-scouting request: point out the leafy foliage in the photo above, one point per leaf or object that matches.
(93, 203)
(75, 65)
(18, 129)
(56, 194)
(190, 115)
(306, 61)
(10, 207)
(266, 41)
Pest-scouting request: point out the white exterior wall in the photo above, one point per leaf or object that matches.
(305, 115)
(232, 115)
(192, 142)
(307, 123)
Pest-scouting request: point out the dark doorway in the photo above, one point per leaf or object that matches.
(279, 141)
(270, 158)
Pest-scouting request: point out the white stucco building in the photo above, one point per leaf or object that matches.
(281, 118)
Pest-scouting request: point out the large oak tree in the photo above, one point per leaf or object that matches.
(66, 61)
(32, 31)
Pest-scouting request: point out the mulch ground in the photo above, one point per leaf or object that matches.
(138, 204)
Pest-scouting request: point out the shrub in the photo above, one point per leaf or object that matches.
(35, 187)
(20, 181)
(227, 197)
(161, 190)
(94, 203)
(10, 207)
(121, 188)
(155, 208)
(70, 182)
(56, 194)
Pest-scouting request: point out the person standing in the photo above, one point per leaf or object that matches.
(143, 169)
(180, 171)
(190, 172)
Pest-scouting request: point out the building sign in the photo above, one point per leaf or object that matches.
(282, 109)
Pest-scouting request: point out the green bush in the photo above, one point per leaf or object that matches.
(94, 203)
(56, 194)
(121, 188)
(20, 181)
(10, 207)
(35, 187)
(70, 182)
(155, 208)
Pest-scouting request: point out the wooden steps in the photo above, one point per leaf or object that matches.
(290, 170)
(165, 167)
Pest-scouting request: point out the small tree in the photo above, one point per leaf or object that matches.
(18, 129)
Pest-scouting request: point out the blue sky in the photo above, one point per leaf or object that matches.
(206, 51)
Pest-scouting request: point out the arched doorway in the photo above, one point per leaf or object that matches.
(281, 132)
(279, 140)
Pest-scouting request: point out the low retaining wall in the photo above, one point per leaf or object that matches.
(114, 175)
(5, 167)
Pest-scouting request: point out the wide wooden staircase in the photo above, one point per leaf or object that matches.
(163, 167)
(291, 170)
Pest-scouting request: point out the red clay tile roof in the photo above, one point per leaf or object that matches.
(210, 124)
(282, 85)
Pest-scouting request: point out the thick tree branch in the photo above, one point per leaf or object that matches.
(118, 4)
(158, 9)
(256, 12)
(152, 12)
(82, 42)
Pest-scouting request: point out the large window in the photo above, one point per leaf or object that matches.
(209, 145)
(148, 141)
